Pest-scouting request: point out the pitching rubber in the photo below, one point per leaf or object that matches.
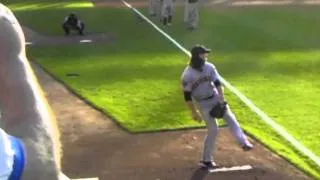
(230, 169)
(64, 177)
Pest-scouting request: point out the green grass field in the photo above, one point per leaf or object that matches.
(270, 54)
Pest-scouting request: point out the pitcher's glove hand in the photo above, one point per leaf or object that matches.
(219, 109)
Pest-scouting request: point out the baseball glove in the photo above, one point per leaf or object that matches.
(218, 110)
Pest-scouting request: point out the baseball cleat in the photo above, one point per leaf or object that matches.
(208, 164)
(247, 147)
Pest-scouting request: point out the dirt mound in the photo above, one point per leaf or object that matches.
(35, 39)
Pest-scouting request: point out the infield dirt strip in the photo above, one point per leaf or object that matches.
(94, 146)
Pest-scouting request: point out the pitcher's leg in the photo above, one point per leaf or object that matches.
(210, 139)
(235, 128)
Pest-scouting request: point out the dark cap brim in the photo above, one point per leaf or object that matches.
(207, 50)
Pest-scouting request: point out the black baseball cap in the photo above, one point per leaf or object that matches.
(72, 14)
(199, 49)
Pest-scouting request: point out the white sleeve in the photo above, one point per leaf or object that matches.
(186, 82)
(6, 156)
(214, 73)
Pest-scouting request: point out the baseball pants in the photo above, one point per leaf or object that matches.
(166, 10)
(191, 15)
(212, 128)
(153, 7)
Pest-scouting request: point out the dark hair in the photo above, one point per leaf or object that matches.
(196, 63)
(72, 14)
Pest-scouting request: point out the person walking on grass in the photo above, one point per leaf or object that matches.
(191, 14)
(167, 12)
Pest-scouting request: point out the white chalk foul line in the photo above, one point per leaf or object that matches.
(157, 28)
(280, 130)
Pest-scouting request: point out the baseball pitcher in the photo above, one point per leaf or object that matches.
(201, 85)
(191, 14)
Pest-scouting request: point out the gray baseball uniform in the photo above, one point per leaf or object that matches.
(191, 13)
(167, 8)
(204, 92)
(153, 7)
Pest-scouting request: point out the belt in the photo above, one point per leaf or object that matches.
(207, 98)
(19, 158)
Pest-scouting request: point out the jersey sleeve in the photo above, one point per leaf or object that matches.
(186, 82)
(214, 73)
